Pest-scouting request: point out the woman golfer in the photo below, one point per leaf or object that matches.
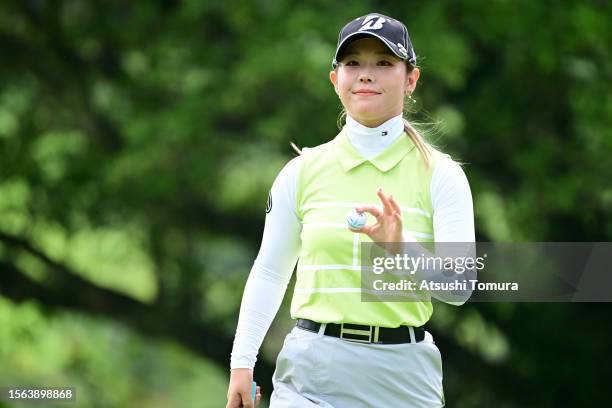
(345, 352)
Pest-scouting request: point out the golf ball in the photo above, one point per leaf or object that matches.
(355, 220)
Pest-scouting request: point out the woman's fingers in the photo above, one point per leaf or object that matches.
(388, 227)
(391, 212)
(388, 208)
(398, 218)
(235, 401)
(247, 402)
(394, 204)
(366, 229)
(374, 211)
(258, 396)
(371, 210)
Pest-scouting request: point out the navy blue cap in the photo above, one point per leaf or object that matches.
(391, 32)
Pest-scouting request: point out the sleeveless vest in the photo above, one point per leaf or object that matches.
(333, 179)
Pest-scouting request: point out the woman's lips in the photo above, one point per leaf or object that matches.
(366, 92)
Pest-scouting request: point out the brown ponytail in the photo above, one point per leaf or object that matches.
(419, 142)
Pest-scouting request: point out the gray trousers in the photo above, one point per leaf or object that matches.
(314, 370)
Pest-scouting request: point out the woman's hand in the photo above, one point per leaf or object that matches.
(240, 388)
(388, 227)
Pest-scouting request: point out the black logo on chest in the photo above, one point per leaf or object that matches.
(269, 203)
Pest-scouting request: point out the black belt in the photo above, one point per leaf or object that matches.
(365, 334)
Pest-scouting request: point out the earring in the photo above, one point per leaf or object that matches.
(411, 98)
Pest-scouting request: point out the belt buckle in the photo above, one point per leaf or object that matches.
(357, 332)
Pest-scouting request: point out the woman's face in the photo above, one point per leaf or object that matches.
(372, 82)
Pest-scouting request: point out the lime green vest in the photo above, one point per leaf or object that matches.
(333, 179)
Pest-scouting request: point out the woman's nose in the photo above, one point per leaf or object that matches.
(365, 77)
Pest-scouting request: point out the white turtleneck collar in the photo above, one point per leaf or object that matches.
(369, 142)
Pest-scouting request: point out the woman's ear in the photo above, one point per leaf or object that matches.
(412, 80)
(333, 77)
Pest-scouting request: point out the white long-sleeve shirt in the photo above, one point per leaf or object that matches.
(453, 221)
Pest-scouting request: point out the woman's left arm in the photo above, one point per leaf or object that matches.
(453, 215)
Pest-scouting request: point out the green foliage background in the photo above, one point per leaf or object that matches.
(138, 141)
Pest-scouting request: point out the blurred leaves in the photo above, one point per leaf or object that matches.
(107, 364)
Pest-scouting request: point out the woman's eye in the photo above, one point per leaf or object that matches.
(353, 63)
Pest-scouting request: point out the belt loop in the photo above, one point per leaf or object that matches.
(322, 329)
(412, 338)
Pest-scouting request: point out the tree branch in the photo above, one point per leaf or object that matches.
(66, 290)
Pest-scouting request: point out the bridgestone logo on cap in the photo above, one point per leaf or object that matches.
(369, 24)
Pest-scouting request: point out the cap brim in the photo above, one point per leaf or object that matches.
(362, 34)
